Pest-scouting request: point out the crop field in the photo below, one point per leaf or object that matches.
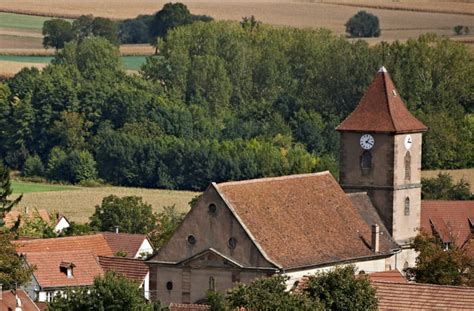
(467, 174)
(78, 203)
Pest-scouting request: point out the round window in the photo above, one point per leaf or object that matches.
(169, 285)
(191, 239)
(232, 243)
(212, 209)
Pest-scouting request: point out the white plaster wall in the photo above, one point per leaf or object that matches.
(144, 248)
(366, 266)
(407, 255)
(61, 225)
(146, 286)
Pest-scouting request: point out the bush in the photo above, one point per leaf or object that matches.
(363, 25)
(82, 167)
(461, 30)
(33, 167)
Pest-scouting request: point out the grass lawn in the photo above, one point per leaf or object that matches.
(20, 21)
(26, 187)
(129, 62)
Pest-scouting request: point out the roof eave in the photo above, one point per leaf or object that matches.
(344, 261)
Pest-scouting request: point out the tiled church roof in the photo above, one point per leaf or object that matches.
(381, 109)
(301, 220)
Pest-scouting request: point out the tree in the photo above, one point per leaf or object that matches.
(443, 188)
(56, 33)
(362, 25)
(33, 167)
(130, 214)
(6, 204)
(13, 271)
(339, 289)
(111, 292)
(170, 16)
(33, 226)
(268, 294)
(437, 265)
(168, 220)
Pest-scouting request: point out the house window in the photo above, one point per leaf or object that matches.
(232, 243)
(407, 206)
(191, 239)
(212, 209)
(408, 166)
(169, 285)
(49, 296)
(366, 160)
(212, 283)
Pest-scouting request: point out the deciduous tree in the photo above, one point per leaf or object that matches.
(57, 32)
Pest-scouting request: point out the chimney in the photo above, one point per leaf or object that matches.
(116, 229)
(375, 238)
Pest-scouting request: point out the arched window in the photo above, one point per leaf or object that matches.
(407, 206)
(366, 160)
(212, 283)
(408, 166)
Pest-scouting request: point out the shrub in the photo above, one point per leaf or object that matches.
(363, 24)
(82, 167)
(461, 30)
(33, 167)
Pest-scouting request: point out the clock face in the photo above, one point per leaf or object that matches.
(367, 141)
(408, 142)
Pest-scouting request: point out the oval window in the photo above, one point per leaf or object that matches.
(191, 239)
(212, 209)
(169, 285)
(232, 243)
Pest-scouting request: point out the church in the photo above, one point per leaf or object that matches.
(301, 224)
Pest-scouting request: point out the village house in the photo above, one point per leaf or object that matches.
(16, 300)
(70, 262)
(301, 224)
(59, 224)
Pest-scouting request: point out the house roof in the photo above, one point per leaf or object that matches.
(101, 244)
(132, 269)
(188, 307)
(8, 301)
(381, 109)
(450, 220)
(415, 296)
(124, 242)
(301, 220)
(12, 217)
(48, 271)
(387, 276)
(96, 244)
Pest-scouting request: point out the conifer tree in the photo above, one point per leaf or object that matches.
(6, 204)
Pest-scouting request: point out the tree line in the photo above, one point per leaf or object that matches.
(222, 101)
(142, 29)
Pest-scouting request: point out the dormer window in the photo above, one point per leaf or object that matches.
(67, 269)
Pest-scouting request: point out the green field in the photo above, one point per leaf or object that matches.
(26, 187)
(129, 62)
(19, 21)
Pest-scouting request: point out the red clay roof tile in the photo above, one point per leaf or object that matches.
(301, 220)
(448, 219)
(8, 301)
(387, 276)
(132, 269)
(415, 296)
(48, 272)
(124, 242)
(381, 109)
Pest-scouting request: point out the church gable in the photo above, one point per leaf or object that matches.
(210, 259)
(211, 225)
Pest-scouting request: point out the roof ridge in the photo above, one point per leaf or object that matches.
(274, 178)
(386, 76)
(120, 258)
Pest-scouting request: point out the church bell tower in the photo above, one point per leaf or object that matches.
(381, 155)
